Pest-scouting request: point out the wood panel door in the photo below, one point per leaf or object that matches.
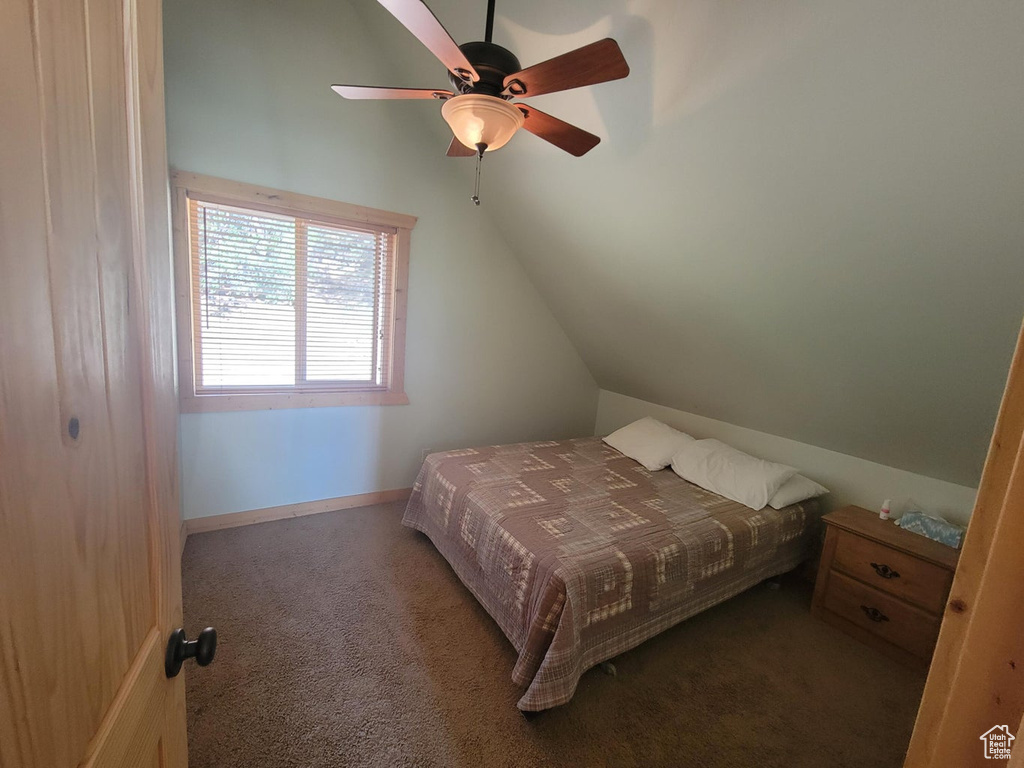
(89, 556)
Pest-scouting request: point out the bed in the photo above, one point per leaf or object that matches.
(579, 553)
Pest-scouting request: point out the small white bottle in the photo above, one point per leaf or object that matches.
(884, 513)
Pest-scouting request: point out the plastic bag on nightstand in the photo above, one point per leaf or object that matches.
(942, 531)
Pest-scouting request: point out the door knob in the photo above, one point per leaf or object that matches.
(202, 649)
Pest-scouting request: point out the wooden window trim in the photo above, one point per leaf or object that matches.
(225, 192)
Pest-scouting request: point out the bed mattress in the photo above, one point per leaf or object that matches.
(580, 554)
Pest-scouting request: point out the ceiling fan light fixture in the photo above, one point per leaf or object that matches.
(479, 119)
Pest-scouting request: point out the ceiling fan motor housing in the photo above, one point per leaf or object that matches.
(493, 63)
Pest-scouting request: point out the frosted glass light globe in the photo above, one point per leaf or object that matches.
(478, 119)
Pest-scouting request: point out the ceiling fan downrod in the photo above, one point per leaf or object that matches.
(489, 28)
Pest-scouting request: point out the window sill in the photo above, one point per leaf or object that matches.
(267, 402)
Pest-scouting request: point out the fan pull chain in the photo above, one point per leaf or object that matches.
(480, 148)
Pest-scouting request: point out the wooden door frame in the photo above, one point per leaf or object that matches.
(976, 679)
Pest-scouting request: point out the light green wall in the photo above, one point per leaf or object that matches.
(805, 216)
(248, 98)
(850, 480)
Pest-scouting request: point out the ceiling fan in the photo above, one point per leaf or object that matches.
(486, 77)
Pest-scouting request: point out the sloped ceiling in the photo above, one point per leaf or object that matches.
(805, 218)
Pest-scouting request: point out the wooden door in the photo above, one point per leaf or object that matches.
(89, 555)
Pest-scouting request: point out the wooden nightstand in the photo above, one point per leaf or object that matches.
(882, 585)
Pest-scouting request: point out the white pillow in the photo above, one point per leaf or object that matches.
(648, 441)
(798, 488)
(713, 465)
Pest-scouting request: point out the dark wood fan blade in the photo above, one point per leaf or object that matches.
(595, 63)
(458, 149)
(421, 21)
(372, 92)
(573, 140)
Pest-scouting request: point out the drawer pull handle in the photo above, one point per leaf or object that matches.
(885, 571)
(874, 614)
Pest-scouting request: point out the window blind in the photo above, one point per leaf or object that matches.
(284, 303)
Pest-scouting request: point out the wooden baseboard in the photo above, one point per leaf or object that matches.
(183, 535)
(253, 516)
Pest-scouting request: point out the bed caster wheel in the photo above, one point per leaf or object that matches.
(608, 668)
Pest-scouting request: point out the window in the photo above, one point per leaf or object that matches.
(286, 300)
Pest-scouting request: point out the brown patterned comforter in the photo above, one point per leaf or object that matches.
(579, 553)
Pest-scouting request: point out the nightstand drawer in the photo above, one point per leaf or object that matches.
(881, 614)
(889, 570)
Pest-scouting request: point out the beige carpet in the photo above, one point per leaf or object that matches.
(345, 640)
